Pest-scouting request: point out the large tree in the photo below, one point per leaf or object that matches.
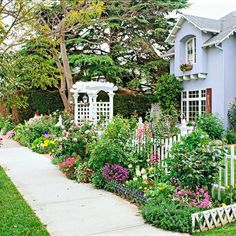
(55, 24)
(126, 43)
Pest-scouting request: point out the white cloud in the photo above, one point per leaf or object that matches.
(211, 8)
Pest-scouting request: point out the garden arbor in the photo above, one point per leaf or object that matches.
(86, 106)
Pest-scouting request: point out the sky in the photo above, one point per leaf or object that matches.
(211, 8)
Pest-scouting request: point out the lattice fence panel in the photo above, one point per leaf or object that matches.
(103, 110)
(83, 113)
(213, 218)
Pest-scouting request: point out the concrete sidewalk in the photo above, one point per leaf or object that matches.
(66, 207)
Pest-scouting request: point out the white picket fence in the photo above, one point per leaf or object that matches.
(226, 176)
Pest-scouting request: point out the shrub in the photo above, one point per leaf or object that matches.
(34, 128)
(232, 116)
(169, 215)
(98, 180)
(115, 172)
(83, 173)
(68, 167)
(1, 122)
(8, 124)
(230, 137)
(73, 142)
(168, 91)
(113, 147)
(211, 124)
(195, 160)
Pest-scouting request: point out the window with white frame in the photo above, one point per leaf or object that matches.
(193, 104)
(191, 51)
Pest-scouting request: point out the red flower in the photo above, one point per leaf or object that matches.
(1, 139)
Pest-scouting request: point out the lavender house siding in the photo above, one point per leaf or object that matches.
(187, 31)
(214, 80)
(229, 52)
(215, 65)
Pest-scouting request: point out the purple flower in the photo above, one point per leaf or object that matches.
(115, 172)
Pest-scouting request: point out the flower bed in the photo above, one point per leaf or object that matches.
(132, 169)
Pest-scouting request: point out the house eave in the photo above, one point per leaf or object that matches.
(178, 25)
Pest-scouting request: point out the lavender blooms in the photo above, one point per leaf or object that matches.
(115, 172)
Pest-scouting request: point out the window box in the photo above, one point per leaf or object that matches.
(186, 67)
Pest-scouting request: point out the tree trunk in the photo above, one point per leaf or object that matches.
(66, 67)
(62, 88)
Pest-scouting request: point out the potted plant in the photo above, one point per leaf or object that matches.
(186, 67)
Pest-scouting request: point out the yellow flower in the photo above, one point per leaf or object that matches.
(161, 189)
(227, 187)
(223, 205)
(151, 169)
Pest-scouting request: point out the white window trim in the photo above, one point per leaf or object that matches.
(194, 50)
(187, 100)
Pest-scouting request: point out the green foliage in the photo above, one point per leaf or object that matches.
(230, 137)
(45, 102)
(128, 105)
(112, 146)
(43, 145)
(169, 215)
(211, 124)
(229, 195)
(7, 124)
(98, 180)
(2, 121)
(195, 160)
(168, 91)
(73, 143)
(232, 116)
(29, 131)
(161, 190)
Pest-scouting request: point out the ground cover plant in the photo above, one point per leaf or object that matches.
(16, 217)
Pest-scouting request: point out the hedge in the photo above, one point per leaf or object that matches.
(47, 102)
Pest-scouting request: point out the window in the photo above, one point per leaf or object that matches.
(193, 104)
(191, 51)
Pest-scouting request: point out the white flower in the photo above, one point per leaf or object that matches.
(130, 166)
(143, 171)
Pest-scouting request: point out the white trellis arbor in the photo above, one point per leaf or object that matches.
(89, 109)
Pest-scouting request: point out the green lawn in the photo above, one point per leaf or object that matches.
(227, 230)
(16, 217)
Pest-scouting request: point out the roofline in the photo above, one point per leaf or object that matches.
(186, 18)
(168, 55)
(220, 41)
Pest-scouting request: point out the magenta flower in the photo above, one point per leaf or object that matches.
(115, 172)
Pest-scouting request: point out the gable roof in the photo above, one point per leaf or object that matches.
(203, 24)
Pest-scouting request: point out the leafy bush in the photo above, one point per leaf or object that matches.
(230, 137)
(1, 122)
(73, 143)
(211, 124)
(45, 102)
(195, 160)
(169, 215)
(168, 91)
(7, 124)
(232, 116)
(83, 173)
(113, 146)
(34, 128)
(98, 180)
(68, 167)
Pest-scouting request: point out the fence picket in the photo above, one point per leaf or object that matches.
(219, 185)
(226, 169)
(232, 166)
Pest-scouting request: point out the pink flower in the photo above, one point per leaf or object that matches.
(75, 139)
(60, 139)
(87, 132)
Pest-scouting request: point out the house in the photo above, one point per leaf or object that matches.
(203, 57)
